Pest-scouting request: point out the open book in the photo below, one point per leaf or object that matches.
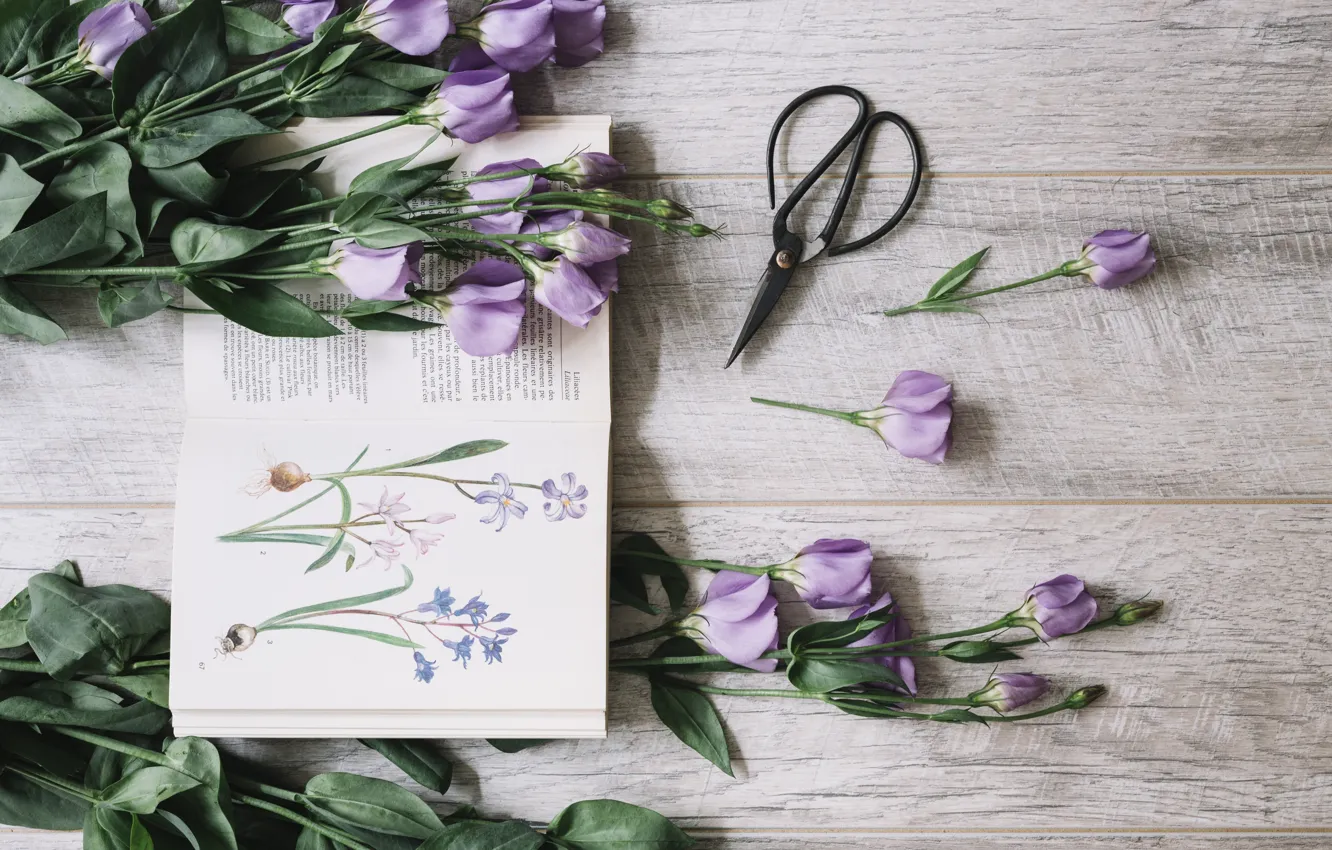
(380, 536)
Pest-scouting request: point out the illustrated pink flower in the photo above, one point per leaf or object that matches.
(388, 509)
(423, 540)
(387, 551)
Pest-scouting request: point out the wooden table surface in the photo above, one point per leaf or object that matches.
(1170, 437)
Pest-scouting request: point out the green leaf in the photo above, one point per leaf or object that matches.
(18, 315)
(326, 38)
(691, 716)
(108, 766)
(462, 451)
(267, 190)
(19, 22)
(198, 243)
(142, 790)
(73, 230)
(26, 804)
(389, 322)
(17, 192)
(628, 588)
(393, 180)
(612, 825)
(74, 695)
(141, 718)
(185, 54)
(14, 620)
(103, 167)
(251, 34)
(369, 803)
(352, 95)
(955, 277)
(819, 677)
(516, 745)
(959, 715)
(279, 537)
(349, 602)
(479, 835)
(191, 182)
(417, 759)
(263, 308)
(181, 141)
(673, 579)
(53, 753)
(120, 304)
(838, 633)
(311, 840)
(206, 808)
(370, 308)
(401, 75)
(378, 233)
(390, 639)
(29, 116)
(76, 629)
(150, 686)
(977, 652)
(138, 837)
(336, 543)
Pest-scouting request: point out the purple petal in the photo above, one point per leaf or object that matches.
(377, 274)
(1118, 253)
(414, 27)
(485, 330)
(508, 187)
(549, 490)
(605, 275)
(917, 392)
(470, 58)
(585, 243)
(743, 641)
(305, 18)
(1058, 591)
(918, 435)
(489, 279)
(836, 573)
(578, 31)
(1073, 617)
(565, 289)
(517, 34)
(106, 33)
(1106, 279)
(895, 630)
(733, 596)
(478, 104)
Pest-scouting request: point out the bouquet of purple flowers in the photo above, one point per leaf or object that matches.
(116, 174)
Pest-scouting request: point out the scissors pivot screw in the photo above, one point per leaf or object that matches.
(786, 258)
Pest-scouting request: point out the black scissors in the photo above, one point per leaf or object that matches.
(789, 250)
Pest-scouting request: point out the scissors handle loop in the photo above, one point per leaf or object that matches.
(917, 168)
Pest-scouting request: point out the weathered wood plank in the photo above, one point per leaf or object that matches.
(1212, 721)
(1207, 380)
(694, 85)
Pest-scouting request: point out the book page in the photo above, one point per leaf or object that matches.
(375, 567)
(558, 373)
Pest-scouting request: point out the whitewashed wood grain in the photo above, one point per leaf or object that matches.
(694, 85)
(1209, 379)
(1214, 718)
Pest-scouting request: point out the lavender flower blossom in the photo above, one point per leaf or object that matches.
(425, 670)
(306, 16)
(387, 551)
(517, 34)
(440, 605)
(578, 26)
(893, 631)
(1007, 691)
(1058, 607)
(374, 274)
(585, 243)
(605, 275)
(436, 519)
(829, 573)
(423, 540)
(492, 648)
(589, 170)
(388, 509)
(414, 27)
(916, 416)
(106, 33)
(566, 289)
(462, 649)
(484, 307)
(504, 221)
(503, 500)
(737, 620)
(563, 497)
(472, 103)
(1115, 258)
(475, 609)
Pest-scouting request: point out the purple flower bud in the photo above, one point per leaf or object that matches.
(589, 170)
(829, 573)
(585, 243)
(1116, 258)
(891, 632)
(916, 416)
(473, 105)
(1007, 691)
(106, 33)
(605, 275)
(305, 16)
(737, 620)
(510, 221)
(548, 221)
(566, 289)
(374, 274)
(517, 34)
(414, 27)
(1058, 607)
(484, 307)
(578, 25)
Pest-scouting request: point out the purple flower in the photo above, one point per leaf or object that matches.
(425, 670)
(305, 16)
(545, 221)
(737, 620)
(374, 274)
(605, 275)
(517, 35)
(829, 573)
(566, 289)
(1116, 258)
(504, 190)
(475, 610)
(578, 25)
(414, 27)
(1058, 607)
(388, 509)
(423, 540)
(589, 170)
(492, 649)
(387, 551)
(916, 416)
(484, 307)
(1007, 691)
(441, 604)
(503, 500)
(462, 649)
(891, 632)
(585, 243)
(106, 33)
(563, 497)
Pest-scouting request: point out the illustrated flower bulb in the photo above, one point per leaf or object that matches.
(283, 477)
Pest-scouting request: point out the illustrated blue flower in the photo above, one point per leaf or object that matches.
(475, 608)
(503, 500)
(425, 670)
(563, 498)
(492, 649)
(462, 649)
(440, 606)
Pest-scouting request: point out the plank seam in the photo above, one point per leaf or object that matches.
(1295, 501)
(990, 175)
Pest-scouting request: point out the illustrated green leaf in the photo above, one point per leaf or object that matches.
(183, 55)
(150, 686)
(141, 718)
(479, 835)
(391, 640)
(462, 451)
(349, 602)
(29, 116)
(691, 716)
(626, 558)
(198, 243)
(516, 745)
(192, 183)
(818, 676)
(142, 790)
(76, 629)
(389, 322)
(352, 95)
(17, 192)
(18, 315)
(71, 231)
(180, 141)
(955, 277)
(120, 304)
(25, 804)
(369, 803)
(251, 34)
(263, 308)
(101, 168)
(417, 759)
(612, 825)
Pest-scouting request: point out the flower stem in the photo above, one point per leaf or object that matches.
(252, 786)
(715, 566)
(878, 648)
(75, 147)
(52, 782)
(838, 414)
(1071, 267)
(122, 271)
(172, 109)
(400, 121)
(119, 746)
(336, 835)
(663, 630)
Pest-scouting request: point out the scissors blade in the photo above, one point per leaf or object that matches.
(770, 288)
